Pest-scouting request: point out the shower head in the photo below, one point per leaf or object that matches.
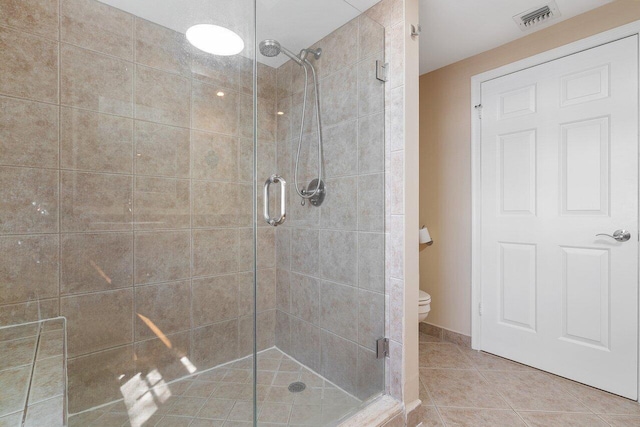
(271, 48)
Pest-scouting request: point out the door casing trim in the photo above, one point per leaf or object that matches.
(603, 38)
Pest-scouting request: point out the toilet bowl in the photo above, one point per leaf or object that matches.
(424, 306)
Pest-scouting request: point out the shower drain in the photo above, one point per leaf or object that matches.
(297, 387)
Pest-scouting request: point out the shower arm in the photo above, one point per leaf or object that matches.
(303, 193)
(292, 55)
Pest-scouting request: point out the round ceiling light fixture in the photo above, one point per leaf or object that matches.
(215, 39)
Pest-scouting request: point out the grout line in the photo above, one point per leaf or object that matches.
(191, 210)
(134, 180)
(119, 116)
(440, 417)
(558, 412)
(486, 380)
(437, 368)
(59, 173)
(604, 421)
(520, 416)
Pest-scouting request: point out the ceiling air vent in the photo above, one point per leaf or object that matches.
(537, 16)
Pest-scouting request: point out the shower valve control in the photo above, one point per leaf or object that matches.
(317, 192)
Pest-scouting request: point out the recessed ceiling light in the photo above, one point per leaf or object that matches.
(281, 113)
(221, 93)
(215, 39)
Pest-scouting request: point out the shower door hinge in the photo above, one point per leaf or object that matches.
(382, 348)
(382, 68)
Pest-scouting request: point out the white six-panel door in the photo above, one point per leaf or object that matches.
(559, 164)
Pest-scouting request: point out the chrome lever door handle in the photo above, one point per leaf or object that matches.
(619, 235)
(283, 200)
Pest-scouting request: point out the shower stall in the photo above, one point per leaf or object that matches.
(192, 212)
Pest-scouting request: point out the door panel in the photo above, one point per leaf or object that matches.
(585, 296)
(518, 173)
(584, 167)
(518, 285)
(559, 165)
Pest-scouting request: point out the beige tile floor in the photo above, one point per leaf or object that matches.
(222, 397)
(32, 375)
(463, 387)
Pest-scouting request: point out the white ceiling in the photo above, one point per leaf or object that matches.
(453, 30)
(296, 24)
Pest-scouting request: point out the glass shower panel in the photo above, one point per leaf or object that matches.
(319, 322)
(127, 207)
(134, 247)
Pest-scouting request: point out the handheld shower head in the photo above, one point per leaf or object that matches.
(271, 48)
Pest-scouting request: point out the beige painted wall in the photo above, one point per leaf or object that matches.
(411, 205)
(445, 157)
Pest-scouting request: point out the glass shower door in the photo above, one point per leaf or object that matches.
(127, 207)
(321, 276)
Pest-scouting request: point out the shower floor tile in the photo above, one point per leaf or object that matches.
(32, 381)
(223, 397)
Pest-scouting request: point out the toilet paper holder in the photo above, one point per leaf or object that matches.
(425, 236)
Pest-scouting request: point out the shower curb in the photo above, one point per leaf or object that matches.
(378, 413)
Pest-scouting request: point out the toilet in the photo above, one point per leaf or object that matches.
(424, 306)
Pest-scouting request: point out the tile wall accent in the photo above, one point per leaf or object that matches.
(126, 192)
(330, 260)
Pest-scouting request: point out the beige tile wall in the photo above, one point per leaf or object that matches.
(123, 235)
(330, 260)
(125, 193)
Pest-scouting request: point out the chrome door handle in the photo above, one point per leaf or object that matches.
(283, 200)
(619, 235)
